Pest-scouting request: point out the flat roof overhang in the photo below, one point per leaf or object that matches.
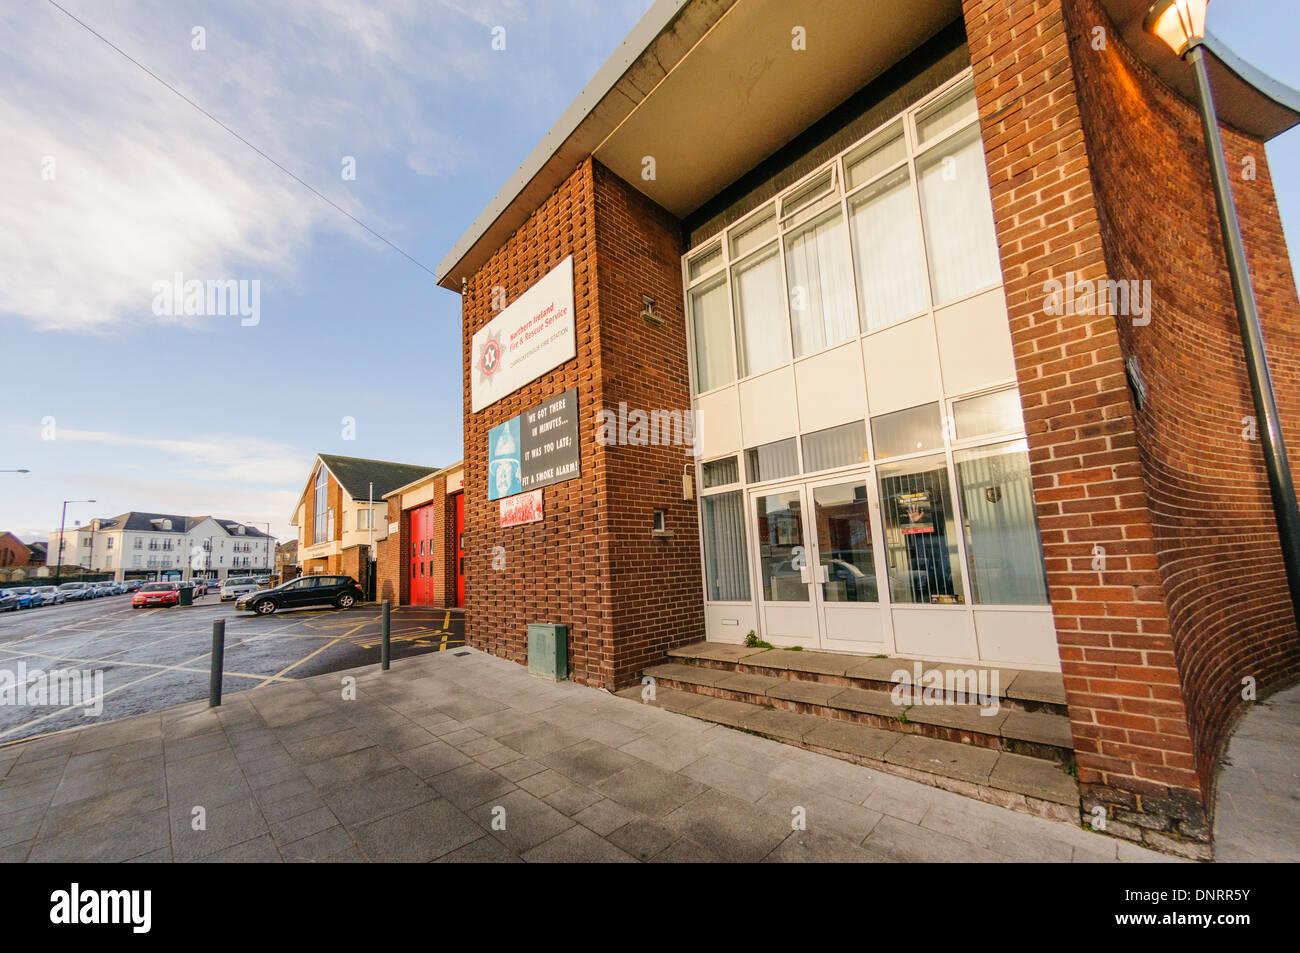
(1246, 98)
(708, 88)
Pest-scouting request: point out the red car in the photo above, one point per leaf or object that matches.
(156, 594)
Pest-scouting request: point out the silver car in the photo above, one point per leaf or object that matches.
(238, 586)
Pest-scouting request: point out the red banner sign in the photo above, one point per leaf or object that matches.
(521, 508)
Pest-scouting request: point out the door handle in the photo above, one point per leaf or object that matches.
(803, 574)
(821, 574)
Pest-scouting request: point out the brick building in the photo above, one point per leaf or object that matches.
(817, 290)
(14, 553)
(340, 512)
(421, 561)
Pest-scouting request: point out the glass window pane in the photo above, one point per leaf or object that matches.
(762, 338)
(782, 557)
(875, 156)
(887, 251)
(1002, 541)
(706, 261)
(709, 320)
(920, 533)
(806, 194)
(958, 217)
(836, 447)
(721, 472)
(955, 109)
(907, 431)
(844, 541)
(822, 311)
(726, 570)
(772, 461)
(752, 232)
(998, 412)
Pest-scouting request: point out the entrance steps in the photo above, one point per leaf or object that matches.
(1015, 753)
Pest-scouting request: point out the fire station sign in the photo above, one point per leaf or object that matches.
(532, 336)
(535, 449)
(521, 509)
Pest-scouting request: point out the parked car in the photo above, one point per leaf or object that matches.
(237, 586)
(156, 594)
(76, 591)
(133, 584)
(339, 591)
(8, 601)
(263, 580)
(26, 597)
(51, 595)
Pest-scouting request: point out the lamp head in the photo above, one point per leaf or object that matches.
(1179, 23)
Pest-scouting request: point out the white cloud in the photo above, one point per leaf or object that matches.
(209, 459)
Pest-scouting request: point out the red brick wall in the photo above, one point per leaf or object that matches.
(655, 584)
(13, 552)
(444, 550)
(1216, 539)
(392, 560)
(592, 563)
(1126, 708)
(556, 570)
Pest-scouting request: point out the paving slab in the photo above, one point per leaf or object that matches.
(413, 771)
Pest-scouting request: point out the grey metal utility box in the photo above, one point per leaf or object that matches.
(548, 651)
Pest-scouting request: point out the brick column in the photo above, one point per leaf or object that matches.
(1126, 703)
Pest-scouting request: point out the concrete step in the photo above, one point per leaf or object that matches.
(1029, 784)
(1016, 688)
(1040, 734)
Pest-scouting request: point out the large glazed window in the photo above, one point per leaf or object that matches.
(959, 237)
(760, 318)
(726, 575)
(920, 532)
(319, 529)
(887, 251)
(710, 320)
(1002, 542)
(820, 285)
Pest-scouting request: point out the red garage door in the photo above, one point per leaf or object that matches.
(422, 564)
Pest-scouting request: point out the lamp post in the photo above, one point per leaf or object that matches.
(58, 568)
(1181, 25)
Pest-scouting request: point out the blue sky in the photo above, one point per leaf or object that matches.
(203, 414)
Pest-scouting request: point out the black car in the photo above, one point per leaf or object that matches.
(339, 591)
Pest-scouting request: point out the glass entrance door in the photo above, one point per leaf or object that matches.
(820, 570)
(785, 575)
(850, 575)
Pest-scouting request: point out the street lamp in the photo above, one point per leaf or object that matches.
(58, 568)
(1180, 24)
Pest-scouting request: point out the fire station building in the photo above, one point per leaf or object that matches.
(892, 333)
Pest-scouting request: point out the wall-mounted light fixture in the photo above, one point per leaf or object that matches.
(648, 310)
(688, 485)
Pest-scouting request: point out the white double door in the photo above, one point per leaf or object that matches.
(820, 565)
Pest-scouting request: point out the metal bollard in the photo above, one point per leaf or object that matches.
(218, 662)
(385, 648)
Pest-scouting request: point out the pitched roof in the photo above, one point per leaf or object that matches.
(356, 474)
(137, 521)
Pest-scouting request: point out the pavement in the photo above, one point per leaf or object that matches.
(461, 756)
(1257, 808)
(156, 658)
